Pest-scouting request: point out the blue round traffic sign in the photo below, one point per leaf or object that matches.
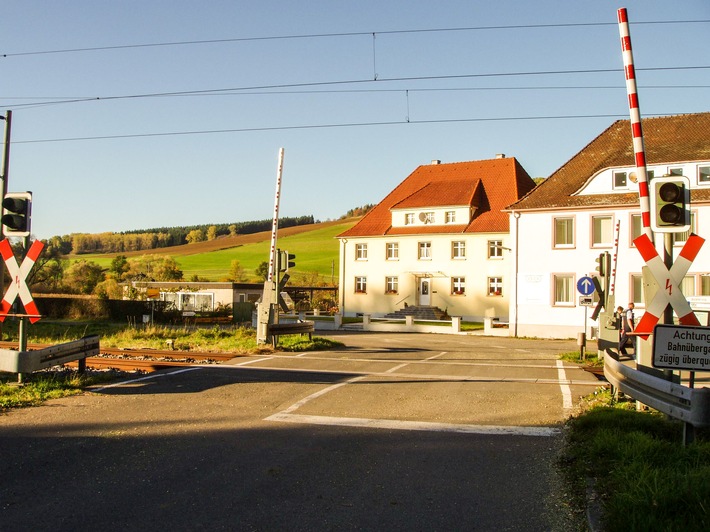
(585, 286)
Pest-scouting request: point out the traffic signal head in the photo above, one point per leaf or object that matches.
(286, 261)
(16, 212)
(603, 264)
(670, 204)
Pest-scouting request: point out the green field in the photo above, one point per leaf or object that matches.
(316, 252)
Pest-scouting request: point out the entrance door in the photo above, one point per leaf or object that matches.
(424, 295)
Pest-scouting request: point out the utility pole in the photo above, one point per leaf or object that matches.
(5, 173)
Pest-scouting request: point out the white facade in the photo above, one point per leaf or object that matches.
(464, 274)
(556, 247)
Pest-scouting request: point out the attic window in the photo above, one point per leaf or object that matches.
(620, 180)
(450, 217)
(703, 174)
(409, 218)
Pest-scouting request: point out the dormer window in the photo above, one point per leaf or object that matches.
(409, 218)
(704, 174)
(428, 217)
(620, 180)
(450, 217)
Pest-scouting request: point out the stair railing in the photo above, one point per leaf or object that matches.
(398, 303)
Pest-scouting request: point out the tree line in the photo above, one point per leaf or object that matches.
(147, 239)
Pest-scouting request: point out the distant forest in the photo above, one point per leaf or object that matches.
(147, 239)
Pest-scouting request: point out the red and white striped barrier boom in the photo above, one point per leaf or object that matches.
(635, 113)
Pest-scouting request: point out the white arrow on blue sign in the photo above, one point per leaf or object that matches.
(585, 286)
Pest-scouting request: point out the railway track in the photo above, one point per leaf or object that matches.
(140, 360)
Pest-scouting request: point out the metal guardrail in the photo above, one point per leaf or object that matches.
(690, 405)
(29, 361)
(299, 327)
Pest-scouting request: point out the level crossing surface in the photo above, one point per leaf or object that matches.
(414, 432)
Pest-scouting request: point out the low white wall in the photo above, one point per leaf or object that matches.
(408, 325)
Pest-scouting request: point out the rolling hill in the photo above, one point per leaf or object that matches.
(315, 247)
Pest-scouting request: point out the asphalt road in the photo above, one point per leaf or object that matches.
(395, 432)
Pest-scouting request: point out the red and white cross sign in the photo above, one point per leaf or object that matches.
(668, 282)
(18, 274)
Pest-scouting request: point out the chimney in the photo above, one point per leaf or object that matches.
(500, 155)
(435, 161)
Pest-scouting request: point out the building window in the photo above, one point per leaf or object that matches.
(458, 249)
(564, 289)
(425, 250)
(495, 249)
(392, 284)
(495, 286)
(361, 251)
(705, 285)
(602, 229)
(564, 232)
(675, 171)
(637, 290)
(458, 286)
(409, 218)
(428, 218)
(450, 217)
(681, 238)
(636, 228)
(703, 174)
(392, 250)
(360, 285)
(687, 286)
(189, 301)
(620, 180)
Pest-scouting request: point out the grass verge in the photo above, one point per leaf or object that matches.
(643, 476)
(44, 385)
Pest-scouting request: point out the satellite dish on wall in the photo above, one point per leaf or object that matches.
(422, 217)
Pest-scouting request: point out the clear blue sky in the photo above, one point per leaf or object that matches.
(162, 144)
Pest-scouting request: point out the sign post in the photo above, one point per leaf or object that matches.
(585, 286)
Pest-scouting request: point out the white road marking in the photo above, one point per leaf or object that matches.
(313, 356)
(392, 424)
(564, 386)
(147, 377)
(287, 415)
(419, 376)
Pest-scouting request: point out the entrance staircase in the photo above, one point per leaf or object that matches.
(420, 313)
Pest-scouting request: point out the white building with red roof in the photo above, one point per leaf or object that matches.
(439, 240)
(589, 206)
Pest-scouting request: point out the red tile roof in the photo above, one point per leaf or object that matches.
(488, 185)
(441, 194)
(670, 139)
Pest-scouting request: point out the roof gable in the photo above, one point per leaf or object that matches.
(457, 192)
(669, 139)
(489, 185)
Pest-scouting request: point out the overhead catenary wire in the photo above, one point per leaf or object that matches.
(330, 126)
(375, 84)
(340, 34)
(275, 87)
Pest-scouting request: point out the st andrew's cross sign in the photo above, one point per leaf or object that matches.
(18, 283)
(668, 283)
